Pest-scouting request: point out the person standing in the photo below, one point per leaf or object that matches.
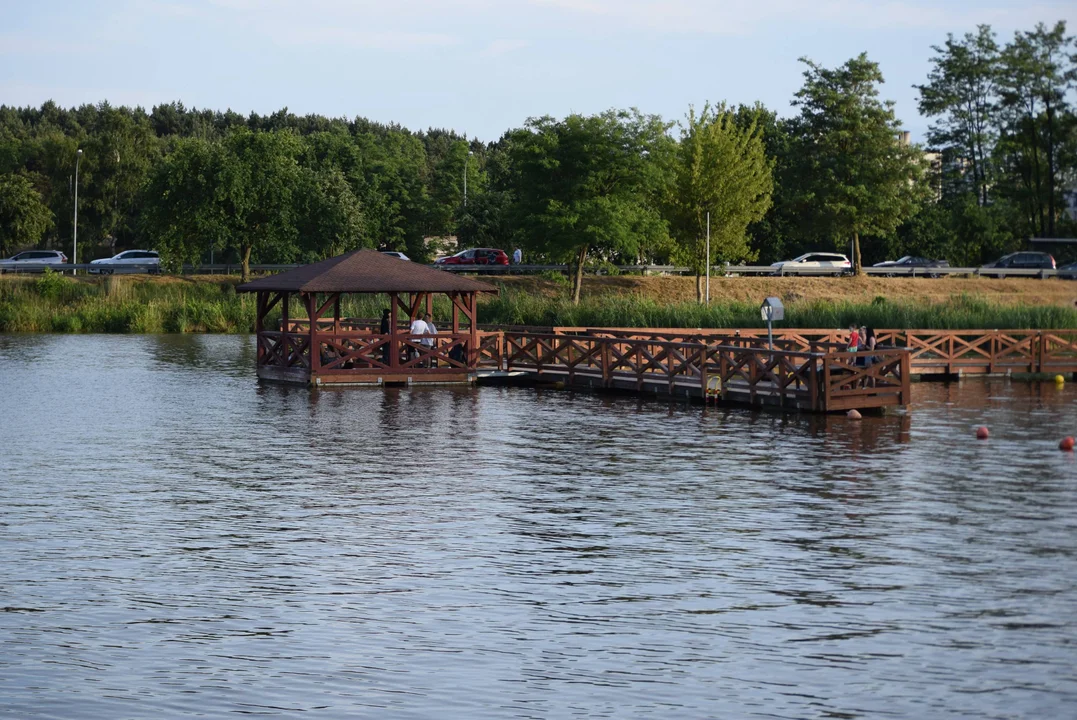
(418, 327)
(854, 338)
(868, 343)
(384, 330)
(429, 340)
(517, 256)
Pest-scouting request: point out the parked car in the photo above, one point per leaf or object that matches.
(812, 261)
(17, 263)
(131, 261)
(475, 256)
(1024, 260)
(397, 255)
(912, 261)
(1068, 272)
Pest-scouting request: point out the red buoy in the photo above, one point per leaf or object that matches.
(1067, 444)
(982, 433)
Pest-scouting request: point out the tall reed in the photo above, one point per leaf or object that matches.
(52, 303)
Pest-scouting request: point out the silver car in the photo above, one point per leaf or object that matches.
(32, 260)
(129, 261)
(817, 263)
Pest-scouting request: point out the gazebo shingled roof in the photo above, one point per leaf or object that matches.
(366, 271)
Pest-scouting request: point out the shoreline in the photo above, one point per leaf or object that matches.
(193, 304)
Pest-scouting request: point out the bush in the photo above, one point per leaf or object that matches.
(50, 285)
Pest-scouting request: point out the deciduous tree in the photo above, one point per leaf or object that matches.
(854, 174)
(24, 218)
(586, 184)
(722, 171)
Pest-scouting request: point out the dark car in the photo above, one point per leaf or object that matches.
(1068, 272)
(475, 256)
(912, 261)
(1025, 260)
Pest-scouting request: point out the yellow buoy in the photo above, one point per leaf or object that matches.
(1059, 379)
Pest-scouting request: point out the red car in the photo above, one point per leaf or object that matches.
(475, 256)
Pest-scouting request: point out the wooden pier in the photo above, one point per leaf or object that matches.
(826, 379)
(803, 369)
(931, 352)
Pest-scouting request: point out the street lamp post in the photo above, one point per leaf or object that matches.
(467, 161)
(75, 244)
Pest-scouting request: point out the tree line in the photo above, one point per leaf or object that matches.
(616, 187)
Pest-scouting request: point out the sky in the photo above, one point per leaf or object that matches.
(479, 67)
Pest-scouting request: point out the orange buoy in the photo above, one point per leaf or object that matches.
(1067, 444)
(853, 414)
(982, 433)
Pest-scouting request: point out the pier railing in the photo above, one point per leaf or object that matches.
(821, 380)
(949, 352)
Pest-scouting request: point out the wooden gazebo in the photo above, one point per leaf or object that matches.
(324, 348)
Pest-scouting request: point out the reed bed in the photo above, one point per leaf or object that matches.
(53, 303)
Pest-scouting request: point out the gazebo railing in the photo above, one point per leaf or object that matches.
(362, 353)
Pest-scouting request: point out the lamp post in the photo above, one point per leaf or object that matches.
(708, 258)
(467, 161)
(75, 243)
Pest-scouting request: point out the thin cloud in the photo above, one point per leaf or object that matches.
(391, 41)
(503, 47)
(743, 17)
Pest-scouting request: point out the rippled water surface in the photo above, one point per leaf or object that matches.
(178, 540)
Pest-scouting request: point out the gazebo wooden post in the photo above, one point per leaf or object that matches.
(473, 303)
(285, 354)
(312, 315)
(394, 347)
(260, 325)
(430, 304)
(336, 315)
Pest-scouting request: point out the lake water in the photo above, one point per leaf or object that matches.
(178, 541)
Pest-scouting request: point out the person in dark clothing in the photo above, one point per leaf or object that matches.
(384, 330)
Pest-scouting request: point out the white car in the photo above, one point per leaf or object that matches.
(21, 261)
(818, 263)
(397, 255)
(129, 261)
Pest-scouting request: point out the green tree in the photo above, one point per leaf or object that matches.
(24, 218)
(330, 220)
(1035, 74)
(586, 184)
(486, 222)
(722, 172)
(854, 175)
(239, 195)
(182, 205)
(118, 156)
(962, 93)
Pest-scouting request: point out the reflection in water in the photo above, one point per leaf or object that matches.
(180, 540)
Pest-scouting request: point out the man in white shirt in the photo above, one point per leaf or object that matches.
(517, 256)
(418, 327)
(431, 331)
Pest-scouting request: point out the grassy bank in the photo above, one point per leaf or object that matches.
(52, 303)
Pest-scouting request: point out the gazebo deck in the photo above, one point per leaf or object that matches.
(322, 348)
(355, 353)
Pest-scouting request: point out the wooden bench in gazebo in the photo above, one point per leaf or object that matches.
(320, 348)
